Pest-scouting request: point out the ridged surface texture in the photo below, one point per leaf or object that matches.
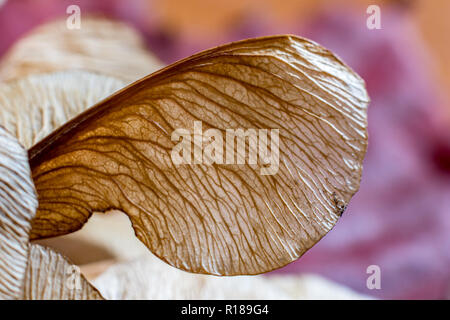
(18, 204)
(28, 271)
(50, 276)
(32, 107)
(100, 45)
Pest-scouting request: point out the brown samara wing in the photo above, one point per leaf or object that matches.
(230, 218)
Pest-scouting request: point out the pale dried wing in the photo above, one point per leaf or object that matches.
(18, 204)
(34, 106)
(50, 276)
(100, 45)
(27, 270)
(150, 279)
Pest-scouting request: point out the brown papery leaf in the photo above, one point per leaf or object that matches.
(100, 45)
(26, 270)
(223, 219)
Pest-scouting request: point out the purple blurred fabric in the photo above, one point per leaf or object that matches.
(400, 218)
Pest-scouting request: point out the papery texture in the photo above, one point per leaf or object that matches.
(218, 219)
(34, 106)
(99, 45)
(18, 204)
(28, 271)
(50, 276)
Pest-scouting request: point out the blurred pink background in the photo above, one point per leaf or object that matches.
(400, 218)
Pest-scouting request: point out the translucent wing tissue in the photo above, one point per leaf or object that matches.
(217, 218)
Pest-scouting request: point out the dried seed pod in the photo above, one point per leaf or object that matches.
(100, 45)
